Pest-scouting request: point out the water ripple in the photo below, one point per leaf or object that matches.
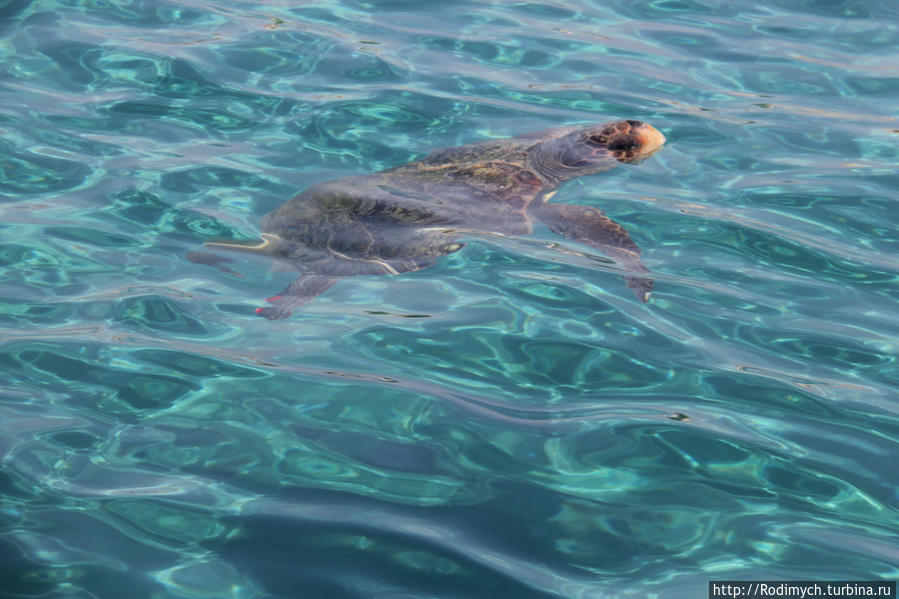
(507, 423)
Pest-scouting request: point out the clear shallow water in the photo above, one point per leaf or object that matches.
(508, 423)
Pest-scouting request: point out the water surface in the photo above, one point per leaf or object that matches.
(507, 423)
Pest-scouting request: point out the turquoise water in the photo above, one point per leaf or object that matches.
(508, 423)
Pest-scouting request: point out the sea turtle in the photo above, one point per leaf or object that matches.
(404, 218)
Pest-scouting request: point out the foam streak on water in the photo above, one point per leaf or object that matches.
(508, 423)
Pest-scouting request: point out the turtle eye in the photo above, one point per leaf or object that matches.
(623, 144)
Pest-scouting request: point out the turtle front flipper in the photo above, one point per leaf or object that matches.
(591, 227)
(305, 288)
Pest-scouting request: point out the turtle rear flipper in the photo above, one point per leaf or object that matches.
(591, 227)
(269, 244)
(220, 262)
(304, 289)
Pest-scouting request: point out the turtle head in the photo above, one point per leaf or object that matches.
(595, 148)
(627, 141)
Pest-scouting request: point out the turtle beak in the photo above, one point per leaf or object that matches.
(650, 138)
